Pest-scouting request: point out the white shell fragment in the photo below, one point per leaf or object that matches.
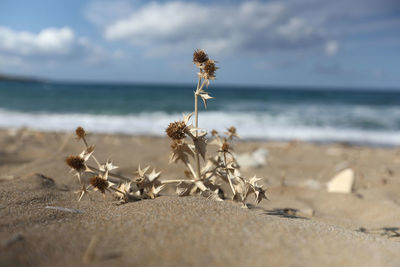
(341, 182)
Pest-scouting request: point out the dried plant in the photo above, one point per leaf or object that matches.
(204, 175)
(223, 168)
(102, 179)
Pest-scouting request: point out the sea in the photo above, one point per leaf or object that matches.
(322, 115)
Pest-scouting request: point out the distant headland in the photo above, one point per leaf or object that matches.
(15, 78)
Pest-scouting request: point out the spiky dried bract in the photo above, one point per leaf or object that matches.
(80, 132)
(99, 183)
(176, 130)
(209, 69)
(90, 149)
(148, 184)
(199, 56)
(76, 162)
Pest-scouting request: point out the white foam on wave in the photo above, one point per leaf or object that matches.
(250, 126)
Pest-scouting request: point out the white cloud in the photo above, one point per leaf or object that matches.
(249, 26)
(47, 41)
(162, 27)
(47, 44)
(331, 48)
(103, 12)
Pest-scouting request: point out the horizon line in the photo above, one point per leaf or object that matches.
(25, 79)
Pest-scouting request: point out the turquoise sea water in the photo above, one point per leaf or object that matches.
(324, 115)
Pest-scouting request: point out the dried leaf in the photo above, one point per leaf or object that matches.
(87, 153)
(187, 117)
(141, 172)
(154, 175)
(181, 151)
(155, 190)
(213, 195)
(125, 188)
(259, 192)
(205, 96)
(186, 189)
(108, 166)
(200, 143)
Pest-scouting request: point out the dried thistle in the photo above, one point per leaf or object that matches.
(176, 130)
(76, 162)
(225, 147)
(205, 180)
(80, 132)
(232, 133)
(199, 56)
(209, 70)
(99, 183)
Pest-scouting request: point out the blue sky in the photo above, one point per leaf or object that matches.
(293, 42)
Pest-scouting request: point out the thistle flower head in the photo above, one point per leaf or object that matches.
(99, 183)
(76, 162)
(214, 133)
(199, 56)
(209, 69)
(232, 130)
(176, 130)
(232, 133)
(225, 147)
(80, 132)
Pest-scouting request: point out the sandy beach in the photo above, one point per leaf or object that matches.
(301, 225)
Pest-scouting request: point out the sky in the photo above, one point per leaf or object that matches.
(319, 43)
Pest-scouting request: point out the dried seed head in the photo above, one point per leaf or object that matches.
(75, 162)
(232, 130)
(99, 183)
(214, 133)
(80, 132)
(225, 147)
(176, 130)
(209, 69)
(199, 56)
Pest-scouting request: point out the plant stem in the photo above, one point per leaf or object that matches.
(117, 190)
(111, 174)
(189, 166)
(176, 181)
(196, 116)
(228, 176)
(197, 182)
(87, 146)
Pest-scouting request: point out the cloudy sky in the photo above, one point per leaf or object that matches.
(291, 42)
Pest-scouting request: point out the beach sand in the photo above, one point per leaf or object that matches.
(301, 225)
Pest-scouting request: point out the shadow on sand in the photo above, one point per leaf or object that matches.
(281, 212)
(389, 232)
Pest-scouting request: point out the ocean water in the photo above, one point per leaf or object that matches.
(359, 117)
